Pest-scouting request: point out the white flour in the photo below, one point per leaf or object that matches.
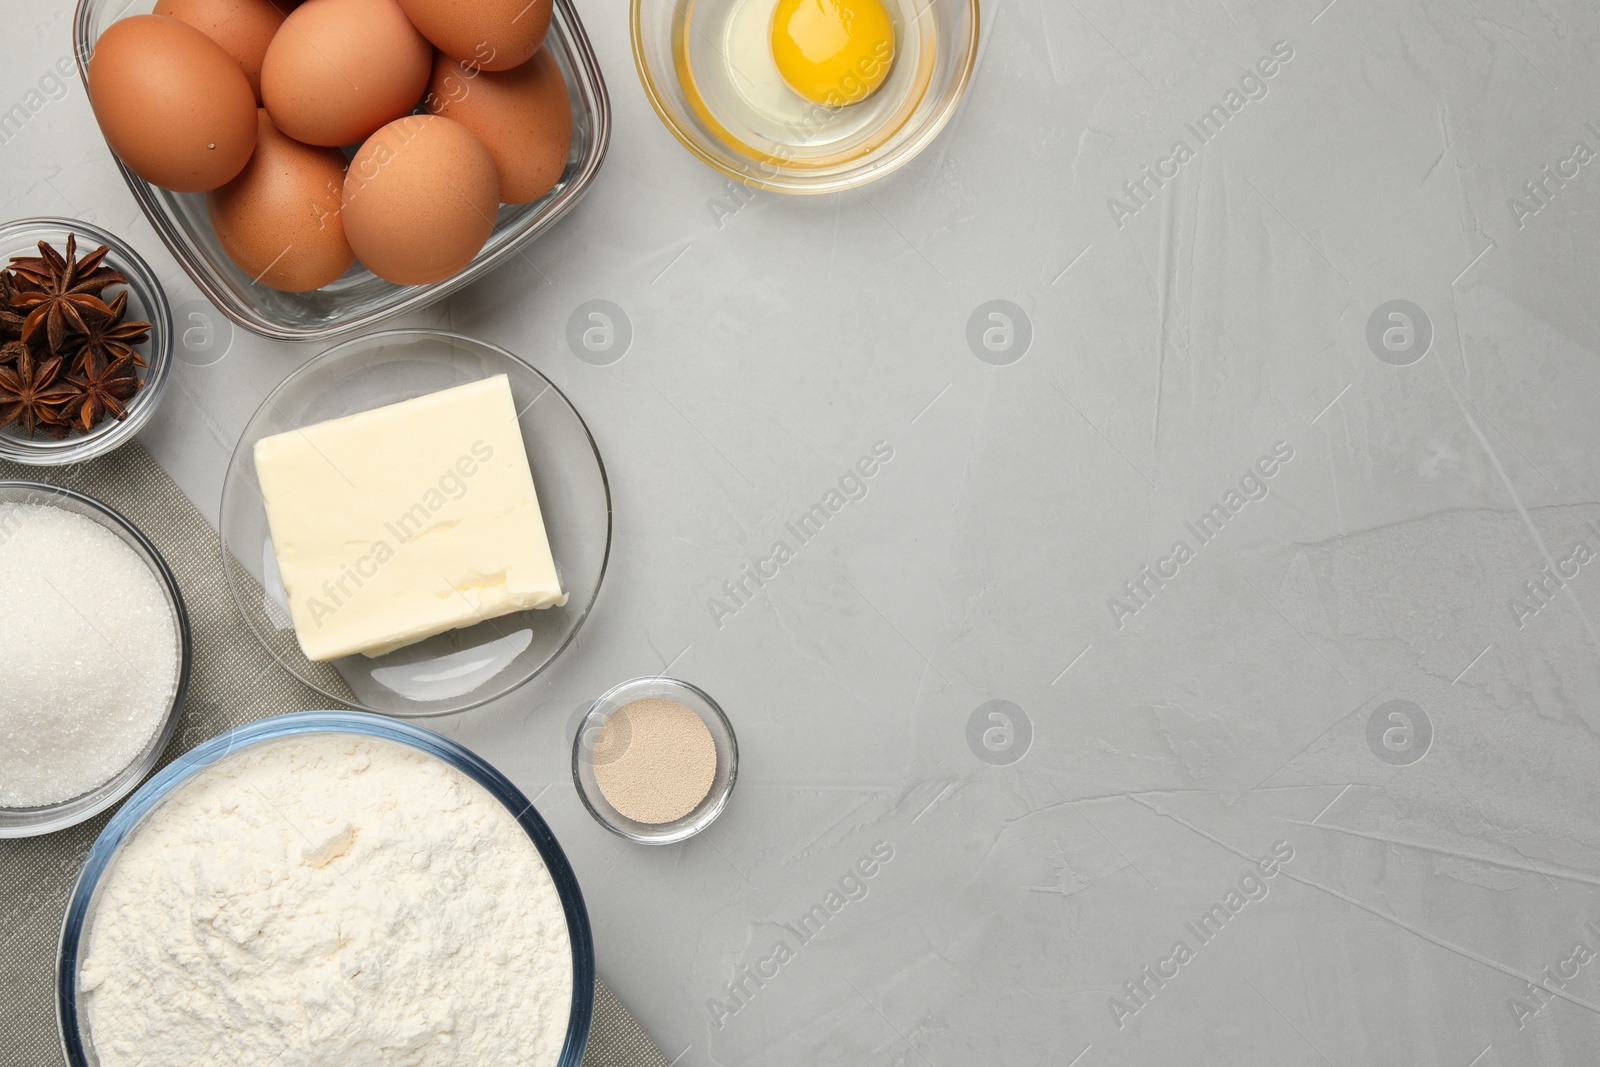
(331, 900)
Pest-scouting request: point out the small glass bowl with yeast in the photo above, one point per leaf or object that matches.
(594, 747)
(715, 72)
(381, 570)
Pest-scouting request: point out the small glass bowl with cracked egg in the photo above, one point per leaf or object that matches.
(805, 96)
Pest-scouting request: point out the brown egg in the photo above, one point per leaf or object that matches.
(243, 28)
(280, 219)
(172, 104)
(339, 69)
(522, 115)
(420, 199)
(492, 34)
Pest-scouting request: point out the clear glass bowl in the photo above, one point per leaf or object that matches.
(682, 50)
(70, 1011)
(360, 298)
(459, 669)
(29, 822)
(583, 760)
(146, 300)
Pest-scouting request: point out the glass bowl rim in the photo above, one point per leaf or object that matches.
(142, 281)
(60, 816)
(199, 266)
(784, 180)
(711, 809)
(304, 370)
(150, 796)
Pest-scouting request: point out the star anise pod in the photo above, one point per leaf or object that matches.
(30, 271)
(10, 321)
(61, 288)
(100, 390)
(107, 336)
(31, 396)
(11, 351)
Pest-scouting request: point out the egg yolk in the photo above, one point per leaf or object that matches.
(833, 52)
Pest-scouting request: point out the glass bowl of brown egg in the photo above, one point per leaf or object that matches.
(317, 168)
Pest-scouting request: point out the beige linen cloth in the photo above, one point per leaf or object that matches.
(234, 681)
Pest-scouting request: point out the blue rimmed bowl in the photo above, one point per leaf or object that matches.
(71, 1014)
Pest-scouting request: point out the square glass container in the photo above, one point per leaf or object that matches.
(360, 298)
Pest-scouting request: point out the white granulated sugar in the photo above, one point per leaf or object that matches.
(329, 900)
(90, 649)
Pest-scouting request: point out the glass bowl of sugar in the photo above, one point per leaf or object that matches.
(97, 650)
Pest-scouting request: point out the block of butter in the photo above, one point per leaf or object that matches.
(406, 521)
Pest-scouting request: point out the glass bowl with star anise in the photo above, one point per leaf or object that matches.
(85, 342)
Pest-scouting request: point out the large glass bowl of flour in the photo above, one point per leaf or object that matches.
(326, 888)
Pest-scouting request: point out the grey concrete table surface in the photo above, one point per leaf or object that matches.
(1208, 669)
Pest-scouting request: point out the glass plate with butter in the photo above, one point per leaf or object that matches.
(415, 523)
